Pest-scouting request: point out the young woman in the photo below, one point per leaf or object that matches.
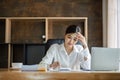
(69, 54)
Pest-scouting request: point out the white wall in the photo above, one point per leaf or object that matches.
(110, 37)
(118, 23)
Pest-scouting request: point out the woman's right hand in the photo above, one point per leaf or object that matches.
(54, 65)
(81, 38)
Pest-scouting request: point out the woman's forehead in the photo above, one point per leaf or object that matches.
(72, 34)
(69, 34)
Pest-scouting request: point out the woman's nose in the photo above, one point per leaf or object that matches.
(71, 40)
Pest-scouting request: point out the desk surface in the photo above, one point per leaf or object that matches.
(6, 74)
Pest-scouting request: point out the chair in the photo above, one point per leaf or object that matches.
(53, 41)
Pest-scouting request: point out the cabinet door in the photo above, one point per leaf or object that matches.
(2, 30)
(27, 30)
(3, 55)
(17, 54)
(34, 53)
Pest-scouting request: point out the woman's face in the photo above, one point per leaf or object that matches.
(71, 39)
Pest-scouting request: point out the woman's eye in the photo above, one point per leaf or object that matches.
(75, 39)
(69, 37)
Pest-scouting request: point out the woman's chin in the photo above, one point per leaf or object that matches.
(70, 45)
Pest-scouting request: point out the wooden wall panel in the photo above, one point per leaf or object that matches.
(59, 8)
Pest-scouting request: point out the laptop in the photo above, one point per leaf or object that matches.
(104, 59)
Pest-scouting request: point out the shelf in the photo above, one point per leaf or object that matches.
(32, 29)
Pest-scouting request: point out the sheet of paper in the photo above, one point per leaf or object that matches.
(29, 67)
(65, 69)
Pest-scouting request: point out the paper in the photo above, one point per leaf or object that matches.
(65, 69)
(29, 67)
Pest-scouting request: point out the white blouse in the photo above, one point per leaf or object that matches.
(75, 59)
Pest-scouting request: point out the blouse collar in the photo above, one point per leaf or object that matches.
(75, 50)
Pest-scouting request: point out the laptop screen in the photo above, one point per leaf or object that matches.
(104, 59)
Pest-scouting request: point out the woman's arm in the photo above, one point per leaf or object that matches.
(85, 59)
(48, 58)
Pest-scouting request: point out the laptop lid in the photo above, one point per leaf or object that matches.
(104, 59)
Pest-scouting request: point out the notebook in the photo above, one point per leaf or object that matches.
(105, 59)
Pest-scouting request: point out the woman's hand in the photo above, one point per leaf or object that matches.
(81, 38)
(54, 65)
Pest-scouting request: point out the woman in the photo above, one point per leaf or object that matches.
(68, 54)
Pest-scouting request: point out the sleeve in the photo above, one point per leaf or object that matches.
(48, 58)
(85, 64)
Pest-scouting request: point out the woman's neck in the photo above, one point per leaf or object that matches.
(68, 49)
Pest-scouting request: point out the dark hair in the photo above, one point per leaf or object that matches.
(72, 29)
